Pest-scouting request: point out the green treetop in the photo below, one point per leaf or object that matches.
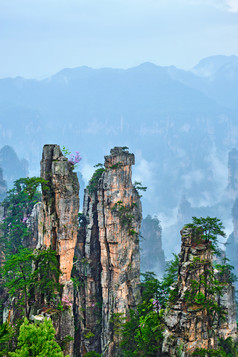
(37, 340)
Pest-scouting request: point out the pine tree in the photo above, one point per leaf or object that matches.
(37, 340)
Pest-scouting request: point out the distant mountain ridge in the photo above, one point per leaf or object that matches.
(210, 65)
(179, 124)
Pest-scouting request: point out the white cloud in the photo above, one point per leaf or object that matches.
(228, 5)
(191, 178)
(233, 5)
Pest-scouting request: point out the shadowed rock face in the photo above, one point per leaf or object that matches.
(59, 224)
(188, 326)
(111, 252)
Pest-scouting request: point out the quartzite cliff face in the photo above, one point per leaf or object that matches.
(58, 225)
(109, 249)
(60, 199)
(188, 326)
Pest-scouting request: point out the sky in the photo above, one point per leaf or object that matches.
(40, 37)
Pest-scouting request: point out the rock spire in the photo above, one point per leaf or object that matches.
(188, 323)
(109, 249)
(58, 227)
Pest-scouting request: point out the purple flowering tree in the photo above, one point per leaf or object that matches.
(74, 159)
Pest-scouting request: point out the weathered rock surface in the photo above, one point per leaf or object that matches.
(34, 220)
(58, 224)
(60, 200)
(109, 253)
(188, 326)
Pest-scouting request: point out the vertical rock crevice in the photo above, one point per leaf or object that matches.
(112, 211)
(58, 226)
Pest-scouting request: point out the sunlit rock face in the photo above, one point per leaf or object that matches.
(60, 199)
(187, 325)
(110, 252)
(57, 227)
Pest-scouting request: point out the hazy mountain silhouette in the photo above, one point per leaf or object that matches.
(180, 124)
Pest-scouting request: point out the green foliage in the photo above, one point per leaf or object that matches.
(60, 307)
(206, 286)
(74, 159)
(89, 335)
(138, 186)
(92, 354)
(45, 276)
(125, 215)
(128, 343)
(29, 185)
(225, 271)
(93, 183)
(25, 284)
(16, 274)
(65, 341)
(116, 321)
(208, 229)
(142, 332)
(170, 278)
(116, 166)
(17, 207)
(203, 291)
(66, 151)
(6, 333)
(229, 346)
(37, 340)
(226, 348)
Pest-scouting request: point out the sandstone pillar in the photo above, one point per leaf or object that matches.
(112, 210)
(58, 225)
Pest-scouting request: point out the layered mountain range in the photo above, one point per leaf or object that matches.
(181, 125)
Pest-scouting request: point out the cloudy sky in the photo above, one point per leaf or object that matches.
(40, 37)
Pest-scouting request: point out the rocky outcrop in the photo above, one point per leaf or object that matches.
(58, 225)
(189, 325)
(151, 251)
(108, 251)
(35, 220)
(60, 199)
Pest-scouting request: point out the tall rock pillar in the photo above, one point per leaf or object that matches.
(112, 210)
(58, 224)
(189, 324)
